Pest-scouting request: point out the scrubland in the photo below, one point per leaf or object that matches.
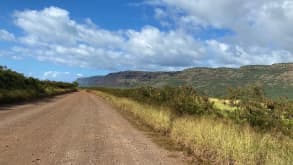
(213, 131)
(15, 87)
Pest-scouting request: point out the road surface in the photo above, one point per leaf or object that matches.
(76, 128)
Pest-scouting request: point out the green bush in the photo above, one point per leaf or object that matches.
(250, 105)
(16, 87)
(182, 100)
(213, 141)
(261, 112)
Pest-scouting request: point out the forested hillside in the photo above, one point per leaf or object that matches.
(16, 87)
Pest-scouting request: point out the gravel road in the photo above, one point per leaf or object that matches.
(77, 128)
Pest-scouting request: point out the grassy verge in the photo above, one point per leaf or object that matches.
(214, 141)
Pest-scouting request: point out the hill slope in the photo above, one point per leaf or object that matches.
(277, 79)
(15, 87)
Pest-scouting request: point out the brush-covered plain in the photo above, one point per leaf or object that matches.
(212, 135)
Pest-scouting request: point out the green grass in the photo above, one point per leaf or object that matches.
(214, 141)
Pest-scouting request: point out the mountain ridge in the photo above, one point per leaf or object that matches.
(277, 79)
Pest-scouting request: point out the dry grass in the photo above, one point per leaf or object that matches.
(222, 142)
(222, 104)
(213, 141)
(158, 119)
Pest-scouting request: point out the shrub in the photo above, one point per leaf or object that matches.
(259, 111)
(16, 87)
(250, 105)
(214, 141)
(182, 100)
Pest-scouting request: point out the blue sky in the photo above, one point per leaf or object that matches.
(126, 15)
(64, 39)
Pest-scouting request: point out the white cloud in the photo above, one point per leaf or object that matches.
(49, 25)
(58, 76)
(262, 30)
(79, 75)
(6, 36)
(54, 26)
(51, 35)
(234, 55)
(173, 48)
(53, 74)
(262, 22)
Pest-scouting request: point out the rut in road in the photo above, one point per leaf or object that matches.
(76, 128)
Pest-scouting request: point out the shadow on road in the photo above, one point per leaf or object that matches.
(37, 101)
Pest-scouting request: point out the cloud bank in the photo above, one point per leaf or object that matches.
(260, 32)
(6, 36)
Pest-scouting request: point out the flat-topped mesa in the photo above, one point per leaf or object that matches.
(208, 71)
(135, 75)
(284, 65)
(254, 67)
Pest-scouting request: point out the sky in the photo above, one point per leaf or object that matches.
(64, 39)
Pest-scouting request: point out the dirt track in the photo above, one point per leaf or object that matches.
(76, 128)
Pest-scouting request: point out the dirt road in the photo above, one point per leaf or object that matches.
(76, 128)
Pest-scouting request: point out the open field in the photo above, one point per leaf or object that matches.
(247, 105)
(210, 140)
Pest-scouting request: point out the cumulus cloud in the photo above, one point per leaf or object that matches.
(261, 35)
(59, 75)
(171, 48)
(50, 34)
(223, 54)
(265, 23)
(6, 36)
(53, 26)
(79, 75)
(54, 74)
(260, 30)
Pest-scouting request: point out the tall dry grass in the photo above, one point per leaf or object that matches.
(157, 118)
(225, 142)
(213, 141)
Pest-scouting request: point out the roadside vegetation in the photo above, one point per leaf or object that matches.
(15, 87)
(246, 128)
